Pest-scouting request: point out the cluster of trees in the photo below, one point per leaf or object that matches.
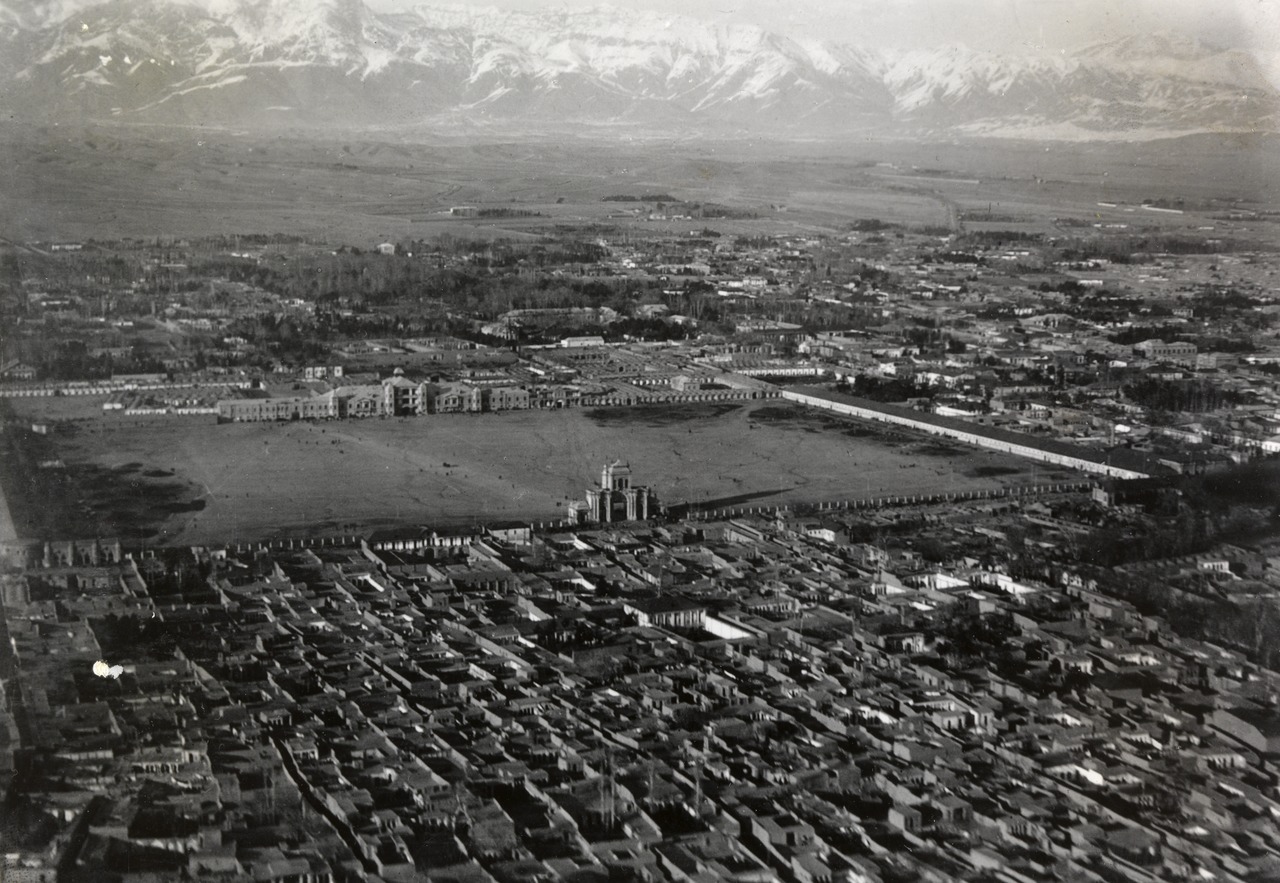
(289, 336)
(378, 278)
(1235, 507)
(1138, 333)
(1185, 534)
(927, 336)
(647, 329)
(812, 316)
(71, 360)
(648, 197)
(1252, 626)
(879, 389)
(981, 639)
(1174, 244)
(1238, 505)
(1116, 249)
(955, 257)
(178, 572)
(134, 637)
(1215, 300)
(252, 240)
(871, 225)
(1256, 483)
(999, 238)
(714, 210)
(1193, 396)
(85, 272)
(507, 213)
(1066, 286)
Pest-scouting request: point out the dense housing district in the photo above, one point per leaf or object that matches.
(749, 699)
(1070, 677)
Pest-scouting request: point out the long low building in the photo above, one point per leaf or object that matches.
(394, 397)
(1051, 451)
(298, 408)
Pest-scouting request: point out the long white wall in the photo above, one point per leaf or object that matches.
(1028, 451)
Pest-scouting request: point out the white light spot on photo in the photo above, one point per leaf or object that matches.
(102, 670)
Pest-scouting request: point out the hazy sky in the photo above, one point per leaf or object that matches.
(1016, 25)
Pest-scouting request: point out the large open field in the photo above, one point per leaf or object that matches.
(190, 481)
(110, 182)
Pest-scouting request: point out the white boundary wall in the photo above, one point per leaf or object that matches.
(973, 438)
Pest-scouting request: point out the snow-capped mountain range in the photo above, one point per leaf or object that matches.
(337, 63)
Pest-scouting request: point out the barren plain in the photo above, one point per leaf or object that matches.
(191, 481)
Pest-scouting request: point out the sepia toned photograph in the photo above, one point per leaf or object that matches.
(544, 441)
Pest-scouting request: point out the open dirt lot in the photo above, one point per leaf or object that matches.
(218, 483)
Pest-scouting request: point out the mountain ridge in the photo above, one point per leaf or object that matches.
(338, 63)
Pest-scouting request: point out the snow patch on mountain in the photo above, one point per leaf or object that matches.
(338, 62)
